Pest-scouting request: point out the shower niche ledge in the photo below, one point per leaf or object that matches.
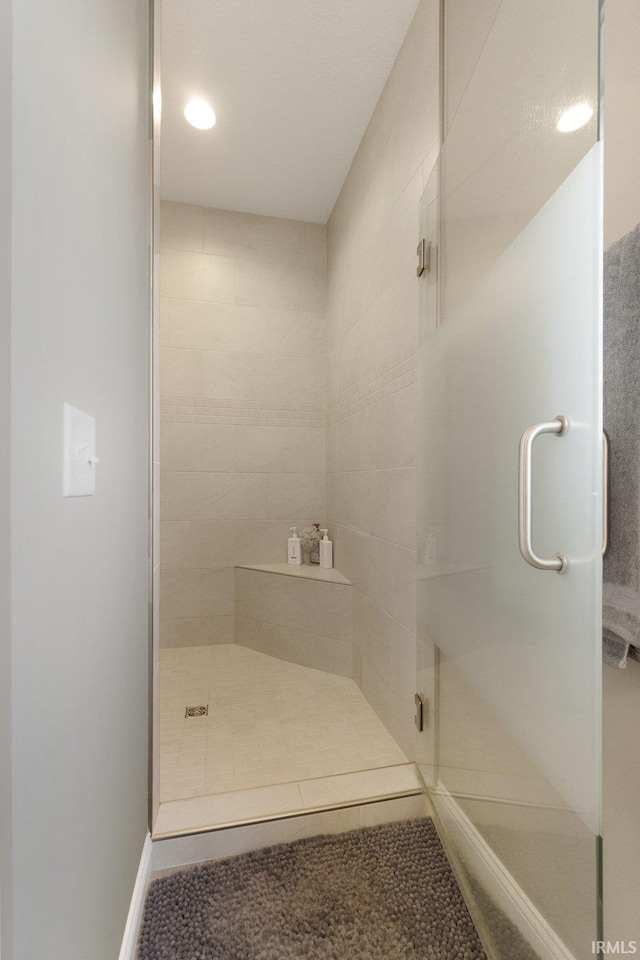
(305, 571)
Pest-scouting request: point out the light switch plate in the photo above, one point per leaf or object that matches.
(79, 453)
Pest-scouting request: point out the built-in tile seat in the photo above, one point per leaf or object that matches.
(302, 614)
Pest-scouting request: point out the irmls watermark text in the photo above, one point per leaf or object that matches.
(620, 948)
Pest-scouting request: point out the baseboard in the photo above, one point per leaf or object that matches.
(499, 884)
(136, 907)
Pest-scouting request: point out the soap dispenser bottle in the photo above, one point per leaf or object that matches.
(326, 551)
(295, 547)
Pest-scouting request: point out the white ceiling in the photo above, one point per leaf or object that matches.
(293, 84)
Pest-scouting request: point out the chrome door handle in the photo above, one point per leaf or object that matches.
(558, 561)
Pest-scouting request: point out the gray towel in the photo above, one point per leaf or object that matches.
(621, 588)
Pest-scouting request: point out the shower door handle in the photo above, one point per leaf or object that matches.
(558, 561)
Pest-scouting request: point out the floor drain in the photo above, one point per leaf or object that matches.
(200, 710)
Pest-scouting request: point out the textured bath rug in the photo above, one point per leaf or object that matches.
(382, 893)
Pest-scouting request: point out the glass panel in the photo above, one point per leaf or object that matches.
(511, 654)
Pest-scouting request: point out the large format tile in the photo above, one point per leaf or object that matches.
(161, 334)
(396, 582)
(231, 489)
(406, 426)
(263, 541)
(323, 609)
(391, 649)
(286, 601)
(294, 494)
(224, 543)
(197, 276)
(281, 285)
(286, 643)
(349, 499)
(196, 631)
(393, 505)
(355, 555)
(246, 235)
(333, 612)
(396, 714)
(215, 496)
(197, 543)
(280, 449)
(296, 645)
(247, 376)
(181, 226)
(215, 326)
(392, 318)
(196, 593)
(294, 333)
(312, 381)
(394, 242)
(199, 447)
(182, 373)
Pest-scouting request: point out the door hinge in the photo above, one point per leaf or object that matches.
(424, 257)
(421, 711)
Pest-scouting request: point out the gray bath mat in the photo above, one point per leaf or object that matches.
(383, 893)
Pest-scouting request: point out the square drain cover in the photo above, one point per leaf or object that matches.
(200, 710)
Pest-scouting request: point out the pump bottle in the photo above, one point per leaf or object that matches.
(326, 551)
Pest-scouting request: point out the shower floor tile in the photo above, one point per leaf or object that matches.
(269, 722)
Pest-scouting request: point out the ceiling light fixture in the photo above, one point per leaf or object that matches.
(200, 114)
(575, 117)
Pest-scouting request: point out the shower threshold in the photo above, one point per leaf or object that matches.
(284, 800)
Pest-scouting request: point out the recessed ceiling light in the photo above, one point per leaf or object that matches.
(200, 114)
(575, 117)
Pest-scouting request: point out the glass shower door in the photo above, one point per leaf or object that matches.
(510, 647)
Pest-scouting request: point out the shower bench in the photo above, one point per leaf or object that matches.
(302, 614)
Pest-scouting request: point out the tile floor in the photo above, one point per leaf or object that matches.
(270, 722)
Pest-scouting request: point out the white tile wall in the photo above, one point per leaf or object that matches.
(197, 276)
(372, 400)
(242, 383)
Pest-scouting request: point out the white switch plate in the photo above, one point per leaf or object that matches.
(79, 453)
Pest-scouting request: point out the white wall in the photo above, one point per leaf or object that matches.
(621, 689)
(80, 331)
(621, 769)
(372, 391)
(621, 119)
(5, 369)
